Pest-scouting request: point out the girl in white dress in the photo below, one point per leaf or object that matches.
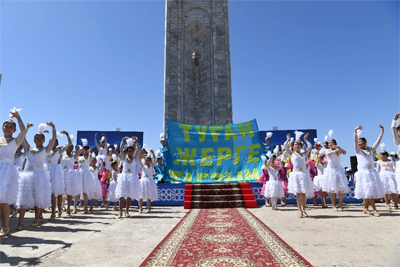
(56, 176)
(318, 180)
(84, 173)
(300, 182)
(385, 168)
(147, 183)
(128, 186)
(19, 158)
(113, 185)
(96, 194)
(368, 185)
(8, 173)
(72, 181)
(335, 180)
(102, 150)
(34, 188)
(273, 188)
(396, 140)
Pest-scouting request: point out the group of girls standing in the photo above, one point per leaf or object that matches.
(370, 183)
(49, 174)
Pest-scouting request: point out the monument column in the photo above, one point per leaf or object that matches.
(197, 78)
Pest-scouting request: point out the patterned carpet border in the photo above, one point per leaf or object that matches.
(167, 250)
(170, 241)
(249, 215)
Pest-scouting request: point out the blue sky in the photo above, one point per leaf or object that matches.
(98, 65)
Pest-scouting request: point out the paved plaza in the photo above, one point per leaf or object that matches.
(326, 238)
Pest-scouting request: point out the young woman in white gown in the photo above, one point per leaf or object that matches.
(368, 186)
(385, 168)
(300, 182)
(35, 189)
(335, 179)
(147, 183)
(128, 186)
(72, 181)
(396, 140)
(8, 173)
(56, 176)
(85, 174)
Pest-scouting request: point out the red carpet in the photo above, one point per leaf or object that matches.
(223, 237)
(222, 195)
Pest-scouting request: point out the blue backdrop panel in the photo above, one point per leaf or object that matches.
(113, 137)
(279, 136)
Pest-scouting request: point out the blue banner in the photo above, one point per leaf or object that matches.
(213, 154)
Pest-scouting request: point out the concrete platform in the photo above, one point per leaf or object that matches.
(327, 238)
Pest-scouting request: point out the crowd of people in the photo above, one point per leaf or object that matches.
(37, 177)
(295, 167)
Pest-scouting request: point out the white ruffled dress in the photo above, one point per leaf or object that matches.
(112, 188)
(147, 183)
(368, 183)
(19, 162)
(397, 173)
(335, 179)
(128, 181)
(299, 179)
(273, 188)
(318, 179)
(72, 181)
(9, 176)
(55, 172)
(388, 177)
(97, 193)
(86, 175)
(34, 188)
(103, 155)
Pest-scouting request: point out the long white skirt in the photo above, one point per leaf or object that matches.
(273, 188)
(368, 185)
(128, 186)
(97, 192)
(87, 179)
(111, 192)
(389, 182)
(73, 183)
(149, 189)
(398, 176)
(56, 179)
(318, 180)
(34, 190)
(335, 181)
(9, 180)
(300, 182)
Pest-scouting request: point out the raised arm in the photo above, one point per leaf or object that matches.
(22, 129)
(105, 140)
(396, 138)
(49, 147)
(286, 145)
(375, 146)
(77, 153)
(309, 145)
(140, 158)
(64, 148)
(356, 146)
(121, 153)
(95, 142)
(137, 155)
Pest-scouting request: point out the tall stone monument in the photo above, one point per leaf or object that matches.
(197, 62)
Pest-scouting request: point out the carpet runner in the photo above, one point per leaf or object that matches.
(223, 237)
(223, 195)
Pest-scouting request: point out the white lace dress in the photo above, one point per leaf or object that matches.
(9, 176)
(34, 189)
